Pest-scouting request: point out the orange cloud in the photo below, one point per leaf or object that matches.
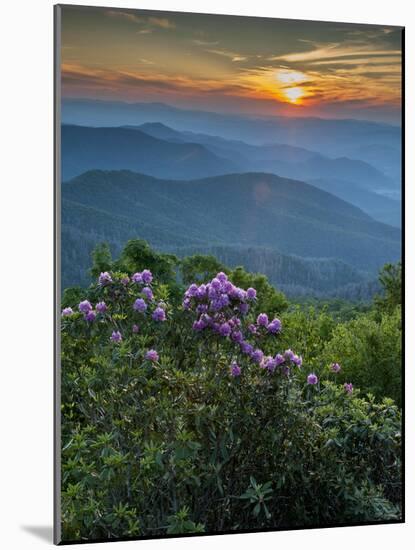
(161, 22)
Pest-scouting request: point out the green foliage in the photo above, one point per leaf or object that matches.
(269, 299)
(101, 259)
(370, 352)
(179, 446)
(257, 495)
(390, 278)
(307, 329)
(199, 268)
(179, 523)
(137, 255)
(72, 295)
(293, 274)
(338, 308)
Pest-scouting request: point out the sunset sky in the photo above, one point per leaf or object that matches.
(232, 64)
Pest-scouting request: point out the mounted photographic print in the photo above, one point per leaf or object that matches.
(228, 274)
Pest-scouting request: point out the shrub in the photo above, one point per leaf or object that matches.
(370, 353)
(192, 418)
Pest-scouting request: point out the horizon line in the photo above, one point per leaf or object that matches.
(231, 114)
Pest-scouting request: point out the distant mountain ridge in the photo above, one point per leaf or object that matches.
(161, 151)
(352, 180)
(85, 148)
(285, 160)
(333, 137)
(380, 207)
(240, 210)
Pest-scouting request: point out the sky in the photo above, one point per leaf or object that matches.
(244, 65)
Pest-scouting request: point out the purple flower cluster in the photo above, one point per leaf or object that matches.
(116, 336)
(140, 305)
(221, 307)
(85, 306)
(104, 278)
(289, 355)
(152, 355)
(159, 314)
(218, 305)
(215, 297)
(90, 316)
(262, 320)
(101, 307)
(235, 370)
(273, 327)
(144, 277)
(257, 356)
(312, 379)
(335, 367)
(148, 293)
(251, 294)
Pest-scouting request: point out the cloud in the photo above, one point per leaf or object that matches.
(124, 15)
(364, 84)
(389, 62)
(161, 22)
(333, 51)
(340, 93)
(204, 42)
(233, 56)
(74, 75)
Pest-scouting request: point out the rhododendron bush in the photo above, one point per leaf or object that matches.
(190, 415)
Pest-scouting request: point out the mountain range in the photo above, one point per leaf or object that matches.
(86, 148)
(158, 150)
(241, 211)
(331, 137)
(312, 203)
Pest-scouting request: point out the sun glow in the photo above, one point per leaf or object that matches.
(290, 85)
(286, 76)
(293, 95)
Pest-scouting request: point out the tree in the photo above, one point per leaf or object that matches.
(101, 259)
(200, 268)
(269, 299)
(137, 255)
(390, 277)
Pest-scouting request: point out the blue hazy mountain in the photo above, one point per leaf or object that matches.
(386, 157)
(378, 206)
(357, 182)
(331, 137)
(239, 151)
(238, 210)
(85, 148)
(285, 160)
(158, 150)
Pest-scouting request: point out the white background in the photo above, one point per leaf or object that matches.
(26, 282)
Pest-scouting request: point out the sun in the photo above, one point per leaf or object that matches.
(290, 85)
(293, 95)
